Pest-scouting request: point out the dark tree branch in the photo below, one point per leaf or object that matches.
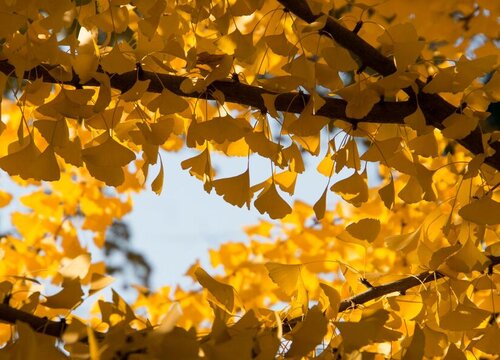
(234, 92)
(398, 286)
(10, 315)
(434, 107)
(42, 325)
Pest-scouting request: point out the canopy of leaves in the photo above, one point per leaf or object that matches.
(94, 92)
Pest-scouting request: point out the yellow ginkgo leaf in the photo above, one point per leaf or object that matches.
(416, 348)
(286, 181)
(463, 317)
(387, 194)
(200, 166)
(370, 329)
(270, 202)
(106, 120)
(235, 190)
(54, 131)
(404, 42)
(119, 60)
(69, 103)
(339, 59)
(309, 335)
(364, 229)
(76, 268)
(30, 163)
(69, 297)
(108, 153)
(157, 184)
(458, 126)
(320, 206)
(218, 129)
(5, 198)
(333, 297)
(167, 103)
(469, 258)
(223, 293)
(287, 277)
(403, 242)
(99, 282)
(484, 211)
(136, 91)
(352, 189)
(259, 143)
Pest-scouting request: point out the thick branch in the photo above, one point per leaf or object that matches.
(234, 92)
(56, 328)
(434, 107)
(42, 325)
(398, 286)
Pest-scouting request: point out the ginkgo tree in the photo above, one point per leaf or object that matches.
(94, 93)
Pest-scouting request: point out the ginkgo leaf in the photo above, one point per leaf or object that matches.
(280, 45)
(360, 104)
(458, 126)
(483, 211)
(136, 91)
(320, 206)
(259, 143)
(309, 335)
(364, 229)
(68, 297)
(5, 198)
(76, 268)
(105, 120)
(119, 60)
(223, 293)
(352, 189)
(270, 202)
(387, 194)
(105, 161)
(403, 242)
(157, 184)
(463, 318)
(339, 59)
(489, 342)
(56, 132)
(424, 145)
(404, 41)
(69, 103)
(455, 79)
(218, 129)
(454, 353)
(294, 159)
(416, 348)
(286, 181)
(30, 163)
(308, 123)
(235, 190)
(200, 166)
(333, 300)
(286, 276)
(468, 259)
(370, 329)
(412, 192)
(167, 103)
(108, 153)
(99, 282)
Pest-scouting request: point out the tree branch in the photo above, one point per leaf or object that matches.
(42, 325)
(399, 286)
(56, 328)
(234, 92)
(434, 107)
